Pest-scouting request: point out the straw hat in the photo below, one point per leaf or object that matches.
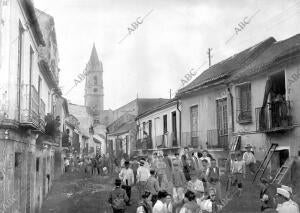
(283, 193)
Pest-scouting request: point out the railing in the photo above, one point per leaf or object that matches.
(191, 139)
(274, 116)
(217, 138)
(145, 143)
(243, 116)
(30, 113)
(42, 114)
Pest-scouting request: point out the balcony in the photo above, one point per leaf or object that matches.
(30, 107)
(275, 117)
(191, 139)
(42, 115)
(217, 139)
(145, 143)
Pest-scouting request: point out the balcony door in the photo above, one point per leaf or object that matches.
(222, 122)
(194, 125)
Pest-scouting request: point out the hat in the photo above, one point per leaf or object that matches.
(248, 146)
(283, 193)
(142, 162)
(289, 189)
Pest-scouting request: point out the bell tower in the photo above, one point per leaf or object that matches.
(93, 97)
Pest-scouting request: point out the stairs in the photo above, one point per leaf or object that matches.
(282, 171)
(262, 167)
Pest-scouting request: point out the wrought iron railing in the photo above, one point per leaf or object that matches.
(191, 139)
(217, 138)
(144, 143)
(274, 116)
(30, 106)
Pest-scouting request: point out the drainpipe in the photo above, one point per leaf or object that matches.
(179, 121)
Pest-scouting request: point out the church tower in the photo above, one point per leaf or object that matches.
(93, 98)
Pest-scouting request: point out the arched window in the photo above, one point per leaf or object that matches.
(95, 80)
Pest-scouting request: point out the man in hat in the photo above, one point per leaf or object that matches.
(127, 177)
(284, 202)
(249, 159)
(142, 176)
(117, 198)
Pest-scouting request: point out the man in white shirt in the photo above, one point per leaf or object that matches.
(249, 159)
(127, 177)
(142, 176)
(285, 204)
(160, 206)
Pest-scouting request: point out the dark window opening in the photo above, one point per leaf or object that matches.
(18, 160)
(95, 90)
(37, 164)
(95, 80)
(165, 122)
(243, 103)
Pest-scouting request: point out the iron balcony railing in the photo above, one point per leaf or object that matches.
(144, 143)
(192, 139)
(217, 138)
(30, 106)
(42, 114)
(275, 116)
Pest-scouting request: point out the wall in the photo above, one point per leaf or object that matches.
(157, 124)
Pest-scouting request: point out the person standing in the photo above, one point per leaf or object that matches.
(160, 206)
(127, 177)
(266, 196)
(191, 205)
(238, 171)
(213, 178)
(135, 166)
(152, 186)
(142, 176)
(145, 205)
(179, 182)
(117, 198)
(284, 202)
(249, 159)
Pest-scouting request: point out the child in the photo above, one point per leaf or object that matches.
(238, 171)
(118, 198)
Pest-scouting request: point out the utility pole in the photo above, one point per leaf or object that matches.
(209, 56)
(170, 93)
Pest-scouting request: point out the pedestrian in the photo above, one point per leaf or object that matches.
(284, 202)
(118, 198)
(186, 168)
(152, 186)
(142, 176)
(213, 178)
(159, 206)
(127, 177)
(249, 159)
(238, 171)
(161, 171)
(66, 164)
(211, 204)
(145, 205)
(177, 161)
(169, 204)
(267, 194)
(190, 206)
(169, 166)
(179, 182)
(134, 166)
(195, 185)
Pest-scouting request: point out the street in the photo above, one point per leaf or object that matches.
(74, 193)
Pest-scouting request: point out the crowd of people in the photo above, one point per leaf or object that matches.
(189, 182)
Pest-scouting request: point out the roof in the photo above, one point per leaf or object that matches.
(94, 59)
(145, 104)
(159, 107)
(228, 66)
(285, 51)
(32, 21)
(124, 128)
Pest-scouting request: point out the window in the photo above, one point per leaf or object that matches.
(95, 80)
(243, 103)
(95, 90)
(18, 159)
(30, 73)
(39, 90)
(150, 128)
(37, 165)
(165, 121)
(194, 119)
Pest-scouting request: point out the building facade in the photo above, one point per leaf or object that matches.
(28, 87)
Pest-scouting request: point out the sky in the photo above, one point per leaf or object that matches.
(172, 38)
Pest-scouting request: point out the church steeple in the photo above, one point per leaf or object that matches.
(94, 83)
